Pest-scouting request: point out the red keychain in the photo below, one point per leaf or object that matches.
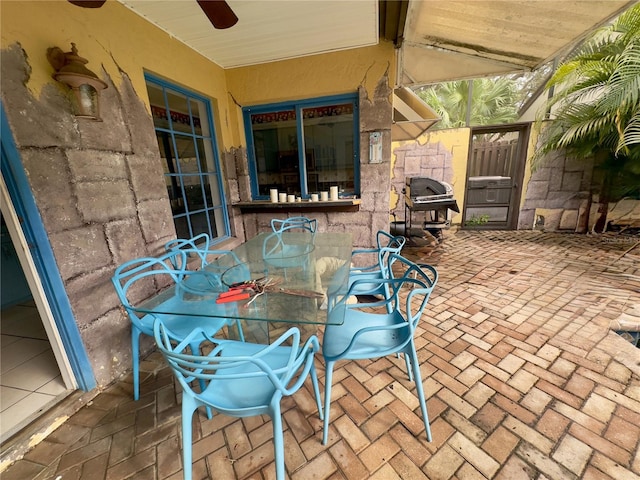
(233, 296)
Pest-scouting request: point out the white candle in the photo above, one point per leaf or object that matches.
(333, 192)
(282, 197)
(273, 193)
(324, 196)
(314, 197)
(291, 198)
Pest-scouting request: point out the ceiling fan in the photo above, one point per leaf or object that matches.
(218, 12)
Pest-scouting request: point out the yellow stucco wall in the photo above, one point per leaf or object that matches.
(308, 77)
(456, 141)
(328, 74)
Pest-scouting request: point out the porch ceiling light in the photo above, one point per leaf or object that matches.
(85, 85)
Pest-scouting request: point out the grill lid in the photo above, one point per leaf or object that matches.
(426, 192)
(426, 186)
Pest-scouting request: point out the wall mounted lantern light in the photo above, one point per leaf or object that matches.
(85, 85)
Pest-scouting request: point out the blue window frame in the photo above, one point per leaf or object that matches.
(304, 147)
(185, 131)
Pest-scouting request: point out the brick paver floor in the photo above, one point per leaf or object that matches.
(523, 376)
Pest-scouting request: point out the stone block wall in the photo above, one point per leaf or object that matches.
(557, 196)
(100, 191)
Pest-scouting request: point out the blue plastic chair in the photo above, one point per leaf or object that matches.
(216, 261)
(240, 379)
(377, 267)
(294, 224)
(201, 241)
(141, 278)
(279, 252)
(380, 328)
(386, 244)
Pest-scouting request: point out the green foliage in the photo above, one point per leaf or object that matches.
(596, 107)
(493, 101)
(476, 220)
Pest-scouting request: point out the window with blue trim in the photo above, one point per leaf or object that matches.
(186, 138)
(304, 147)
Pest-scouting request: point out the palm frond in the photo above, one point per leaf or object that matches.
(629, 22)
(624, 84)
(596, 95)
(630, 138)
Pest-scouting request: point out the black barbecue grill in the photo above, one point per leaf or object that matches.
(435, 198)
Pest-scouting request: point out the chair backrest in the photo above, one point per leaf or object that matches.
(199, 242)
(299, 224)
(416, 279)
(386, 244)
(233, 370)
(139, 279)
(198, 247)
(407, 280)
(283, 251)
(385, 239)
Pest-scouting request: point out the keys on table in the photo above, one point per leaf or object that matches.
(249, 289)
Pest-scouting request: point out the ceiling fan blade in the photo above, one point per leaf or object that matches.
(219, 13)
(88, 3)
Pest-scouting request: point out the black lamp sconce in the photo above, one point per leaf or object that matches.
(85, 85)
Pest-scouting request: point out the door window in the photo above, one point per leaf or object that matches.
(186, 139)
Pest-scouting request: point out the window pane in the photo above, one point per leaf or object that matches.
(167, 152)
(276, 151)
(199, 117)
(211, 193)
(179, 112)
(187, 155)
(203, 154)
(328, 137)
(193, 192)
(158, 108)
(174, 186)
(182, 227)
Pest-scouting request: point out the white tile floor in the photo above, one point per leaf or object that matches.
(30, 380)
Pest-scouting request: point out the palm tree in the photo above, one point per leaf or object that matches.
(595, 112)
(493, 101)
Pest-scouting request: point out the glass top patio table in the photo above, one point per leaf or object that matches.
(297, 277)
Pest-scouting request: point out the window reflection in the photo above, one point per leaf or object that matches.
(324, 132)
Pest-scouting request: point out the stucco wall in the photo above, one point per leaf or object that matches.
(99, 186)
(441, 155)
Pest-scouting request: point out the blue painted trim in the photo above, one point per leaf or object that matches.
(298, 105)
(42, 254)
(305, 103)
(149, 77)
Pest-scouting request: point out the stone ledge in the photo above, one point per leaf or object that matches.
(265, 206)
